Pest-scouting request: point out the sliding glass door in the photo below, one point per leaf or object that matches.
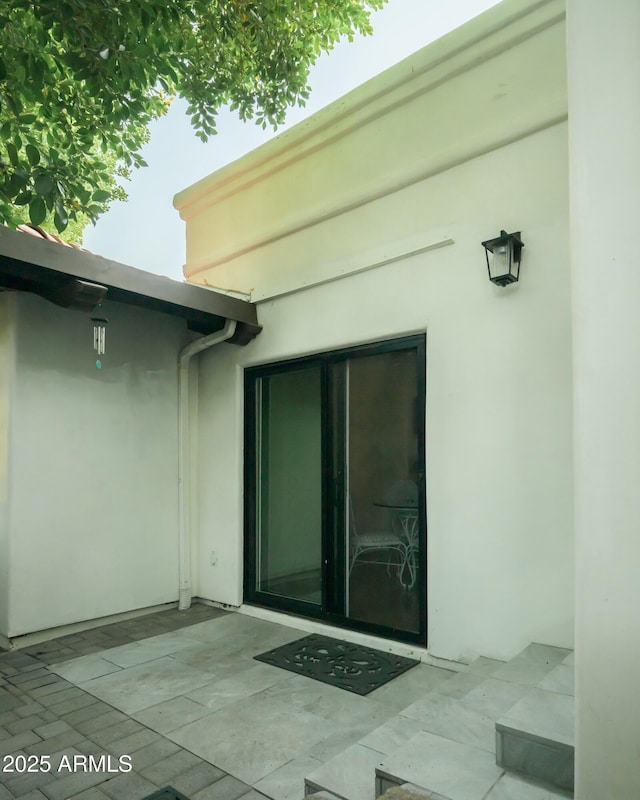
(289, 487)
(335, 511)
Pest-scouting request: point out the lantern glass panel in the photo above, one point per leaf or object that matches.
(500, 261)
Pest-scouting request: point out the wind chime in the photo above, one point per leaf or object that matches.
(99, 337)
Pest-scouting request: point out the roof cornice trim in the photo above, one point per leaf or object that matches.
(497, 30)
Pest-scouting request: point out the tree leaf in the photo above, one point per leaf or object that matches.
(43, 185)
(37, 211)
(33, 154)
(60, 217)
(71, 105)
(101, 196)
(12, 152)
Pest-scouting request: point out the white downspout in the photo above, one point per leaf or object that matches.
(184, 458)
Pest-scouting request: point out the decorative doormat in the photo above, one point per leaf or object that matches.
(349, 666)
(167, 793)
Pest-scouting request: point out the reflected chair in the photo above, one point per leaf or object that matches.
(401, 537)
(404, 521)
(371, 541)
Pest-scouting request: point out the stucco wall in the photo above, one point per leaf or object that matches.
(365, 223)
(94, 465)
(604, 62)
(6, 384)
(498, 410)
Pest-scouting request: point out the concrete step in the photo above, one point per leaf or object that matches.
(322, 795)
(517, 787)
(409, 791)
(507, 787)
(348, 776)
(454, 770)
(536, 738)
(443, 746)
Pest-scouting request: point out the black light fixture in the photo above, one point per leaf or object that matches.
(503, 258)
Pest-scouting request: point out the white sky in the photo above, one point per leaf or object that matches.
(147, 232)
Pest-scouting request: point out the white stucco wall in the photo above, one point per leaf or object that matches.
(604, 92)
(7, 344)
(93, 486)
(498, 412)
(365, 223)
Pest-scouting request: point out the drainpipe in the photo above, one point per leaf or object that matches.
(184, 458)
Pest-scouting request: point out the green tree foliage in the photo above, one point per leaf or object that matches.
(78, 220)
(80, 81)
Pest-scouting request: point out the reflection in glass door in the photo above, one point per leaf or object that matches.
(335, 507)
(382, 472)
(289, 489)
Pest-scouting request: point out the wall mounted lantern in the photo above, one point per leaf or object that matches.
(503, 258)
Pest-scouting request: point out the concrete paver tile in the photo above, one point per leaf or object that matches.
(162, 772)
(152, 753)
(25, 679)
(56, 686)
(15, 743)
(91, 794)
(8, 701)
(29, 709)
(51, 729)
(90, 711)
(26, 724)
(35, 794)
(73, 704)
(55, 743)
(30, 681)
(128, 787)
(5, 794)
(129, 744)
(197, 778)
(7, 717)
(227, 788)
(94, 724)
(73, 783)
(114, 732)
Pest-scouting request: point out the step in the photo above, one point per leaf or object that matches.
(518, 787)
(536, 737)
(409, 791)
(443, 745)
(441, 766)
(348, 776)
(507, 787)
(322, 795)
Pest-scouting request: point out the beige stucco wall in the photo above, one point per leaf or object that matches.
(94, 488)
(370, 228)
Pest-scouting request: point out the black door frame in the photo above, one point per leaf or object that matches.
(333, 534)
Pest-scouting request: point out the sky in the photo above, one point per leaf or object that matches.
(146, 231)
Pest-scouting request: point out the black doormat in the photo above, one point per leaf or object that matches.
(167, 793)
(349, 666)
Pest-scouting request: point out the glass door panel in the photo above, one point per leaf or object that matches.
(335, 518)
(382, 475)
(289, 485)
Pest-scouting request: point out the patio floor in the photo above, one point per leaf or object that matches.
(180, 693)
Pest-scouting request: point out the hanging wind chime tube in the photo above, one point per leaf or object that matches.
(99, 334)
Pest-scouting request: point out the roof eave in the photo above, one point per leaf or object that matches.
(31, 264)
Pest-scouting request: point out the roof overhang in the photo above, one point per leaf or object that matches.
(75, 278)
